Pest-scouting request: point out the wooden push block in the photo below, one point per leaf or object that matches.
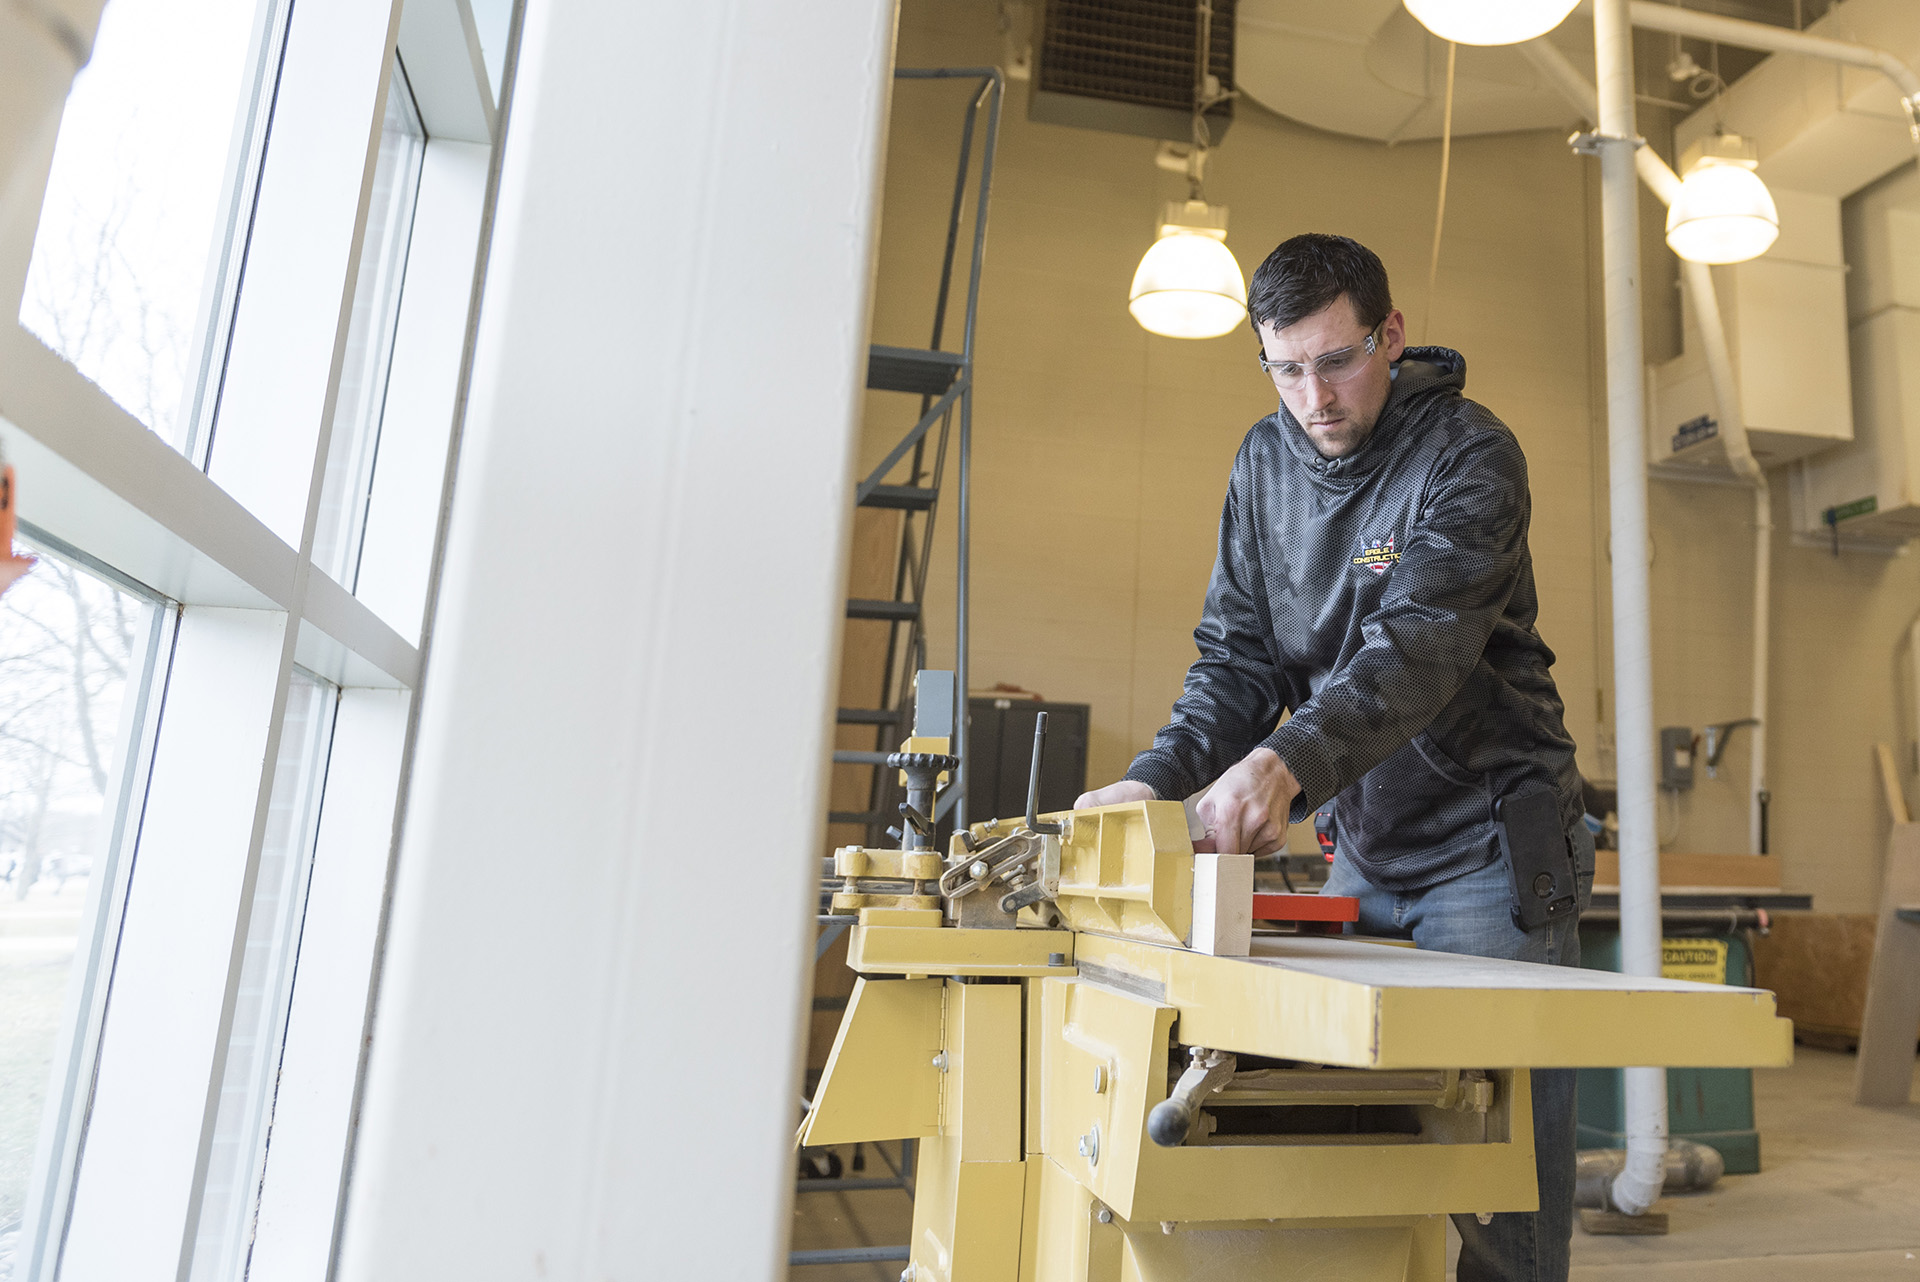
(1222, 905)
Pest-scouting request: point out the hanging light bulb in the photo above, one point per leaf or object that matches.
(1188, 285)
(1723, 214)
(1490, 22)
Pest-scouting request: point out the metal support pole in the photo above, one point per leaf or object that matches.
(961, 607)
(1639, 1184)
(962, 603)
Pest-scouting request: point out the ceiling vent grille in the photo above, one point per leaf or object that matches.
(1126, 66)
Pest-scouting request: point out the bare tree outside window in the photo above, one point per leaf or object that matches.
(87, 301)
(133, 208)
(66, 643)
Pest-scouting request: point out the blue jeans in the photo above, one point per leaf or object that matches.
(1472, 914)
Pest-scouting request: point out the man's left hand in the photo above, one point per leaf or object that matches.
(1246, 809)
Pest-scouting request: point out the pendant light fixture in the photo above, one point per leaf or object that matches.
(1490, 22)
(1724, 212)
(1188, 284)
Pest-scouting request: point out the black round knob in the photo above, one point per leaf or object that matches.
(933, 761)
(1168, 1123)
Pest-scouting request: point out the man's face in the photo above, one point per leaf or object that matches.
(1337, 417)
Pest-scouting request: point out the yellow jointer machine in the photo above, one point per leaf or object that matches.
(1111, 1077)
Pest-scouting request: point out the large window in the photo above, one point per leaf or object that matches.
(229, 398)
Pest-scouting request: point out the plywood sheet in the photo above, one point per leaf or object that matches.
(1885, 1069)
(1816, 964)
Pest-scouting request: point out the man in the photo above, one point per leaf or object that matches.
(1373, 581)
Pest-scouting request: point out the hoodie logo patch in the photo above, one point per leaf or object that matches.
(1377, 556)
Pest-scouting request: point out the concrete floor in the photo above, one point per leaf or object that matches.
(1839, 1197)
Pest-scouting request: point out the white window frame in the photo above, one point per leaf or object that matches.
(230, 552)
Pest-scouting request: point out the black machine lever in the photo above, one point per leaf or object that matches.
(1033, 779)
(1172, 1119)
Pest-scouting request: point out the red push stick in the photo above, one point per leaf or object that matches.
(1277, 907)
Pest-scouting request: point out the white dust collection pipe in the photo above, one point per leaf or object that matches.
(1760, 35)
(1665, 184)
(1733, 434)
(1639, 1184)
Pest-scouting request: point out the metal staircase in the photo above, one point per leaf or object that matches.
(910, 479)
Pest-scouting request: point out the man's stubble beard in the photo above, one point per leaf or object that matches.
(1346, 441)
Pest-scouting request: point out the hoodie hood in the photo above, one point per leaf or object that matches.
(1421, 377)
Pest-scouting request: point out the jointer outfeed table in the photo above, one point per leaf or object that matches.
(1112, 1078)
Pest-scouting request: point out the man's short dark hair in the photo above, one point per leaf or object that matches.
(1307, 273)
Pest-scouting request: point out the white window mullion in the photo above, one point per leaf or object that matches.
(404, 511)
(163, 1049)
(283, 364)
(267, 946)
(94, 478)
(306, 1148)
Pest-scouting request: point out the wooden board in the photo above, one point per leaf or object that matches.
(1747, 872)
(1891, 1012)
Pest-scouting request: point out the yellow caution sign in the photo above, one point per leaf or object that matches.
(1704, 961)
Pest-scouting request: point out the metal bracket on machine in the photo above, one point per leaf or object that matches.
(1025, 862)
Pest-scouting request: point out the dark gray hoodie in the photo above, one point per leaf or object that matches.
(1386, 600)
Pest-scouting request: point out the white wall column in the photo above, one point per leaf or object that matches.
(585, 1064)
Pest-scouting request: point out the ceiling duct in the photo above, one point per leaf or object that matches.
(1126, 66)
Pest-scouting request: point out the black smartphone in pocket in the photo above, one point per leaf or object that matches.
(1534, 844)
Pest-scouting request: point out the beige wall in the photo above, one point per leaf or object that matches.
(1101, 452)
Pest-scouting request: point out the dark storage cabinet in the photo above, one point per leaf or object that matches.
(1000, 744)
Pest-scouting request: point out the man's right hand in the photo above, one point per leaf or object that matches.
(1115, 793)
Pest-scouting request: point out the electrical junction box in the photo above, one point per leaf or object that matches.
(1785, 314)
(1868, 493)
(1676, 758)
